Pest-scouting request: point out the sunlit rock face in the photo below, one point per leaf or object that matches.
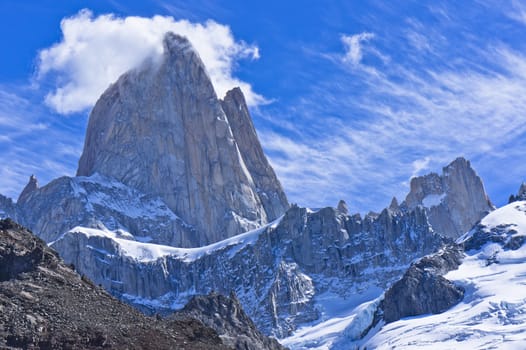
(162, 130)
(454, 200)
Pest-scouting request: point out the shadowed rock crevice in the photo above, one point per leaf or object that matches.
(226, 316)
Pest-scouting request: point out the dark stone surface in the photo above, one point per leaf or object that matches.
(226, 316)
(422, 289)
(44, 304)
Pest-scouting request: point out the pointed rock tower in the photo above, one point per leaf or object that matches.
(454, 201)
(162, 130)
(31, 187)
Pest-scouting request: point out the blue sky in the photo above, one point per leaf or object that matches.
(350, 99)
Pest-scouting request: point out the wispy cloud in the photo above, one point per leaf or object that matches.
(95, 51)
(377, 126)
(33, 142)
(353, 46)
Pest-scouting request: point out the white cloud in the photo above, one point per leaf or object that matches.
(95, 51)
(353, 46)
(418, 118)
(420, 165)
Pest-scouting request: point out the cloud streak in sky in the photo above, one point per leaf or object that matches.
(95, 51)
(419, 118)
(353, 46)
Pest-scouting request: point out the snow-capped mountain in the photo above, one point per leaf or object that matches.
(492, 313)
(468, 295)
(286, 274)
(161, 130)
(174, 197)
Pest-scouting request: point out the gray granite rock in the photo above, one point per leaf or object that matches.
(225, 315)
(422, 289)
(454, 200)
(102, 202)
(161, 129)
(267, 184)
(279, 275)
(31, 187)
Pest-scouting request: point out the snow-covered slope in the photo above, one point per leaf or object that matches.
(143, 252)
(492, 314)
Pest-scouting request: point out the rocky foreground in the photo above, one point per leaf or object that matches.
(44, 303)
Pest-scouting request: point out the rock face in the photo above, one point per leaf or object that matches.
(226, 316)
(521, 195)
(102, 202)
(9, 209)
(160, 129)
(422, 289)
(46, 305)
(276, 272)
(267, 184)
(31, 187)
(454, 200)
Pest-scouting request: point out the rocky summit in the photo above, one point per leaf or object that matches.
(161, 129)
(285, 274)
(454, 200)
(45, 304)
(175, 198)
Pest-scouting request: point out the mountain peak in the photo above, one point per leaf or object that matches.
(454, 200)
(174, 43)
(31, 186)
(162, 130)
(342, 207)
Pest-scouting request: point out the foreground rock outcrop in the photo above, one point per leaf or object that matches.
(44, 304)
(226, 316)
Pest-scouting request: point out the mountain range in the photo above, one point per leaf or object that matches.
(175, 207)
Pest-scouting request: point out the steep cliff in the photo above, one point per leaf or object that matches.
(279, 272)
(161, 129)
(454, 200)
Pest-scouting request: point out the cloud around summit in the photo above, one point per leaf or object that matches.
(95, 50)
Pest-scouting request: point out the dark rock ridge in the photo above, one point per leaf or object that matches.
(422, 289)
(521, 195)
(44, 304)
(278, 275)
(454, 200)
(161, 129)
(226, 316)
